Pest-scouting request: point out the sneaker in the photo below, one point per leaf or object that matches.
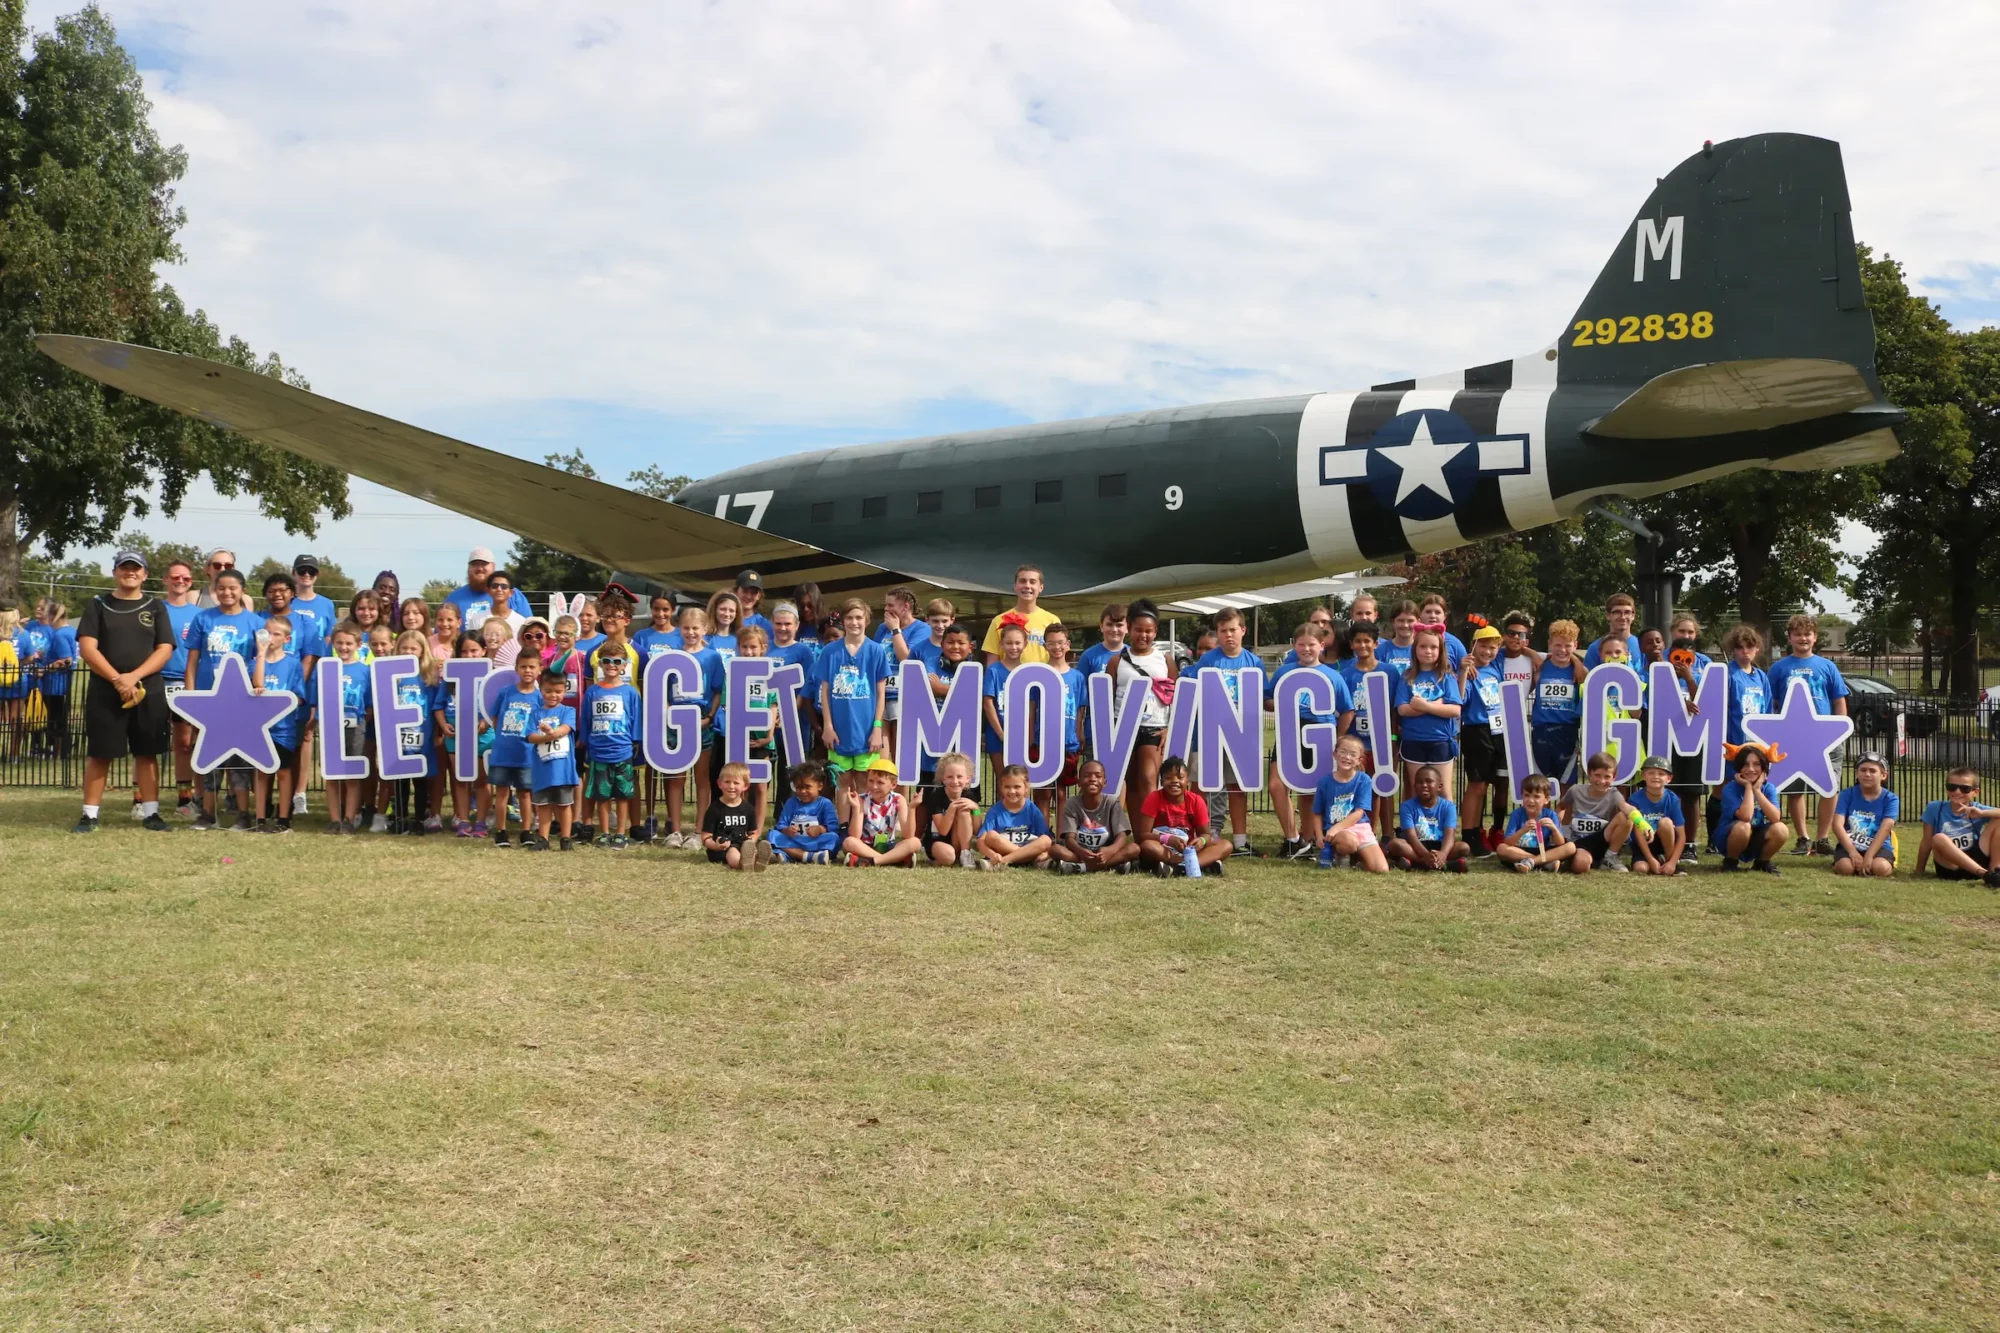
(417, 829)
(1991, 879)
(299, 804)
(1730, 865)
(759, 855)
(204, 823)
(531, 843)
(1688, 858)
(1305, 851)
(1767, 868)
(1327, 856)
(1243, 849)
(500, 838)
(381, 824)
(565, 844)
(968, 860)
(333, 826)
(1216, 869)
(988, 863)
(1403, 863)
(1822, 847)
(434, 824)
(1458, 866)
(1802, 847)
(479, 829)
(397, 828)
(1122, 868)
(644, 832)
(1551, 867)
(1525, 867)
(1287, 848)
(263, 826)
(1066, 867)
(1613, 864)
(87, 824)
(460, 829)
(154, 824)
(822, 858)
(137, 814)
(1161, 870)
(187, 810)
(282, 826)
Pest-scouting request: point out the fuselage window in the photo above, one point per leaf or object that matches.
(823, 512)
(1110, 485)
(1048, 492)
(986, 497)
(930, 502)
(875, 506)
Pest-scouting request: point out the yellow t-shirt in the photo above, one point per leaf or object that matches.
(1038, 620)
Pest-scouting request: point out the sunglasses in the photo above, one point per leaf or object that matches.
(174, 578)
(1517, 634)
(534, 634)
(1962, 787)
(218, 566)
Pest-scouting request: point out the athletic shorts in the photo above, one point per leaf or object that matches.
(1364, 835)
(288, 760)
(1153, 736)
(509, 775)
(1594, 843)
(233, 772)
(1718, 837)
(932, 839)
(1978, 855)
(112, 731)
(1071, 762)
(610, 782)
(1485, 753)
(716, 858)
(838, 763)
(555, 796)
(1429, 752)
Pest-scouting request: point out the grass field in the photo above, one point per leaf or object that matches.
(246, 1086)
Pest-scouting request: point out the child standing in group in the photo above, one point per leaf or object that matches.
(1611, 652)
(1864, 821)
(1557, 714)
(955, 652)
(702, 693)
(881, 825)
(993, 693)
(1095, 832)
(1598, 815)
(1481, 738)
(1428, 702)
(468, 799)
(751, 644)
(1055, 641)
(948, 819)
(343, 795)
(1659, 824)
(1341, 808)
(1014, 832)
(1749, 826)
(1228, 657)
(278, 671)
(507, 767)
(1535, 840)
(1961, 833)
(411, 797)
(1362, 640)
(1427, 825)
(1297, 824)
(1396, 650)
(852, 674)
(1829, 699)
(1111, 641)
(612, 731)
(807, 830)
(729, 832)
(1173, 827)
(552, 762)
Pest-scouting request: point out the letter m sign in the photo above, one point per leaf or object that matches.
(1662, 242)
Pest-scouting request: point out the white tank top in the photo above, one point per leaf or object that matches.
(1520, 668)
(1137, 683)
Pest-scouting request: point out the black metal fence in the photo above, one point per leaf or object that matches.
(1940, 735)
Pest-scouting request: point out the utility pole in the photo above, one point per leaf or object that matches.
(1652, 554)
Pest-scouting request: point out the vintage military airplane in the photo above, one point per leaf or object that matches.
(1728, 330)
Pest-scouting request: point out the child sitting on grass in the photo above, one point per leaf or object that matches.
(1427, 825)
(1597, 813)
(1535, 839)
(1750, 827)
(1864, 821)
(1961, 833)
(881, 824)
(1173, 827)
(729, 830)
(1659, 824)
(1096, 835)
(948, 819)
(807, 827)
(1341, 807)
(1014, 832)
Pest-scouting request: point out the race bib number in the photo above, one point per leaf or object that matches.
(1962, 841)
(555, 749)
(410, 740)
(175, 687)
(1558, 691)
(1586, 825)
(1020, 835)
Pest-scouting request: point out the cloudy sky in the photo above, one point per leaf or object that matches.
(705, 233)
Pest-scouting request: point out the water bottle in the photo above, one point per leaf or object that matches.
(1326, 857)
(1190, 862)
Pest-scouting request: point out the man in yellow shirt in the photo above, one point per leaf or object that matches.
(1027, 591)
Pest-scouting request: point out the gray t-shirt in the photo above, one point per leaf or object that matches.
(1094, 829)
(1588, 814)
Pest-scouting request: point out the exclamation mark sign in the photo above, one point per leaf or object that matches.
(1381, 717)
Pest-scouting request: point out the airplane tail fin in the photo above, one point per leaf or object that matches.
(1743, 253)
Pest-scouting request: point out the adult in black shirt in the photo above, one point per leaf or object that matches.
(125, 638)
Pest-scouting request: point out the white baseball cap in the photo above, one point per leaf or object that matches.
(480, 553)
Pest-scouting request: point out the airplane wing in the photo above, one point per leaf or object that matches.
(619, 529)
(1346, 585)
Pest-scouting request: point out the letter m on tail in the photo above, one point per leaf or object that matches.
(1661, 243)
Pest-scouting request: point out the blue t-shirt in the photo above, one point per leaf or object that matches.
(916, 637)
(1864, 817)
(722, 645)
(1592, 657)
(323, 612)
(306, 640)
(444, 700)
(1094, 659)
(1395, 656)
(757, 619)
(1234, 667)
(552, 763)
(215, 635)
(1749, 695)
(1733, 795)
(512, 722)
(479, 605)
(1962, 831)
(1822, 678)
(1343, 698)
(1558, 697)
(1437, 689)
(413, 739)
(287, 676)
(1354, 675)
(1074, 685)
(850, 676)
(1667, 809)
(180, 619)
(1482, 698)
(62, 647)
(1334, 800)
(649, 643)
(1019, 827)
(1427, 823)
(993, 685)
(588, 645)
(354, 691)
(31, 646)
(797, 815)
(1517, 819)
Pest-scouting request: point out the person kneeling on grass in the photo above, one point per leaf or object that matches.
(1659, 827)
(1535, 839)
(1341, 805)
(1173, 827)
(1749, 827)
(1427, 828)
(1961, 833)
(881, 825)
(1015, 832)
(1864, 821)
(1599, 817)
(1095, 832)
(807, 830)
(729, 829)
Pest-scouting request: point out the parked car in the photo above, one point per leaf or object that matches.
(1873, 704)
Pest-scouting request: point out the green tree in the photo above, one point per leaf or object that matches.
(158, 556)
(651, 481)
(1562, 570)
(87, 212)
(1936, 514)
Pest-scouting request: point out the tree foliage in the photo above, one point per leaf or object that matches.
(1563, 570)
(87, 212)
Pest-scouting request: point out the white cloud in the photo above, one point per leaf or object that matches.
(800, 212)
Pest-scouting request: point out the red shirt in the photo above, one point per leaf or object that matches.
(1189, 813)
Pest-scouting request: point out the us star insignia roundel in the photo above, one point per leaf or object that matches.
(1423, 465)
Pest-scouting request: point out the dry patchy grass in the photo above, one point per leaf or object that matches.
(429, 1085)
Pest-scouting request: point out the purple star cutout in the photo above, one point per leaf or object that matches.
(231, 718)
(1806, 742)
